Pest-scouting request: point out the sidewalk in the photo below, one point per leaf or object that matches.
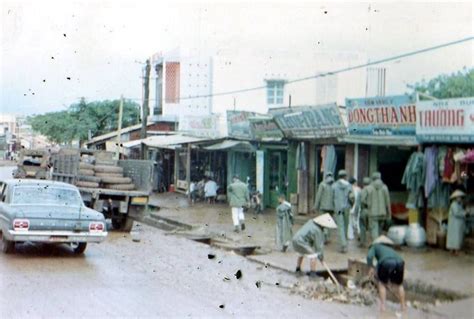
(431, 266)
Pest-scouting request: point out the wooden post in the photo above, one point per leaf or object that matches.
(119, 129)
(146, 87)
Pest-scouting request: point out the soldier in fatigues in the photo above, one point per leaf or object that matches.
(378, 204)
(284, 224)
(309, 241)
(239, 197)
(342, 190)
(364, 213)
(456, 223)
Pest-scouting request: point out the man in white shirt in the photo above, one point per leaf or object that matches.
(210, 191)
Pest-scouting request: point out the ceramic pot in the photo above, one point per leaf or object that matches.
(397, 234)
(415, 236)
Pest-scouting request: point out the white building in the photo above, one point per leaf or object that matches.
(191, 83)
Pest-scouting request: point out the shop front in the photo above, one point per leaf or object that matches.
(312, 133)
(445, 128)
(381, 135)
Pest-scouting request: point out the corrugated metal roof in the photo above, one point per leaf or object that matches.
(380, 140)
(228, 144)
(165, 141)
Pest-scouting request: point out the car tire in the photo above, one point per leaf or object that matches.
(78, 248)
(87, 184)
(8, 246)
(120, 187)
(116, 180)
(108, 169)
(86, 172)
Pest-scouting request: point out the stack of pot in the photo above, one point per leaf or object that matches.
(103, 174)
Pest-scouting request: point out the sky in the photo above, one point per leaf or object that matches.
(54, 52)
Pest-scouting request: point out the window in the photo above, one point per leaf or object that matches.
(275, 91)
(172, 81)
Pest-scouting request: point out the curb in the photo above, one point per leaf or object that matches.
(171, 221)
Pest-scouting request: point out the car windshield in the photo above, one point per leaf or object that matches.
(45, 195)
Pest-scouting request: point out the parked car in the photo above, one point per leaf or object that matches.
(48, 212)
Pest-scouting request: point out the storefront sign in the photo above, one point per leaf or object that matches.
(309, 122)
(385, 115)
(238, 124)
(265, 129)
(450, 120)
(200, 126)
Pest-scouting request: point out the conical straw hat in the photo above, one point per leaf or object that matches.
(383, 240)
(325, 220)
(457, 193)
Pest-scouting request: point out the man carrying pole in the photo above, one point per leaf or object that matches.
(309, 241)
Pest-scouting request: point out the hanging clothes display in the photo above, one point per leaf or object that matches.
(448, 166)
(439, 197)
(442, 151)
(430, 169)
(413, 179)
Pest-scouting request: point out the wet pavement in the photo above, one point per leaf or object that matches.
(426, 266)
(159, 276)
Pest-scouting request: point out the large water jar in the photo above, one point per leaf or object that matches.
(397, 234)
(415, 236)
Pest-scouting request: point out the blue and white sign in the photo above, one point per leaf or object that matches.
(384, 115)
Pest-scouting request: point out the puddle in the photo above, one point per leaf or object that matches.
(239, 250)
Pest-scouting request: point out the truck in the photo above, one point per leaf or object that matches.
(33, 164)
(120, 189)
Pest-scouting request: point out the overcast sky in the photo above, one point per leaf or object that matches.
(99, 44)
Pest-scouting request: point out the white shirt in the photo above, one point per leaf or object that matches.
(210, 189)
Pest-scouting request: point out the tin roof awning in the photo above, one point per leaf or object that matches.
(166, 141)
(380, 140)
(230, 144)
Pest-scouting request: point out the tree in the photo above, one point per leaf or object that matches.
(455, 85)
(98, 117)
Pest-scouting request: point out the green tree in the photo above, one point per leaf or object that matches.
(98, 117)
(445, 86)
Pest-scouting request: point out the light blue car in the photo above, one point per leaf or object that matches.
(49, 212)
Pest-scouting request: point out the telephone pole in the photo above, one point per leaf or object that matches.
(146, 87)
(119, 129)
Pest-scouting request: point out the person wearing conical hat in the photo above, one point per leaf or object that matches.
(456, 222)
(364, 214)
(390, 269)
(309, 241)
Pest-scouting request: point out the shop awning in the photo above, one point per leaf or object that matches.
(165, 141)
(229, 144)
(380, 140)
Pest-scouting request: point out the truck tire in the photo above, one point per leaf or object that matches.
(116, 180)
(105, 163)
(86, 172)
(108, 169)
(120, 175)
(85, 178)
(121, 187)
(124, 224)
(87, 184)
(83, 165)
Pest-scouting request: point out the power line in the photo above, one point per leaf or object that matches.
(396, 57)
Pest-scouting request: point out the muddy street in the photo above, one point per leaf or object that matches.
(159, 276)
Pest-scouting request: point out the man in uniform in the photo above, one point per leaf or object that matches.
(309, 241)
(324, 202)
(364, 213)
(342, 190)
(284, 233)
(378, 202)
(239, 197)
(390, 269)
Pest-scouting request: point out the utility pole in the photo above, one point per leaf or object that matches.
(119, 129)
(146, 87)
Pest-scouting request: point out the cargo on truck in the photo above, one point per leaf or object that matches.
(120, 189)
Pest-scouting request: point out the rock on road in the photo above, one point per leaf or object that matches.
(160, 276)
